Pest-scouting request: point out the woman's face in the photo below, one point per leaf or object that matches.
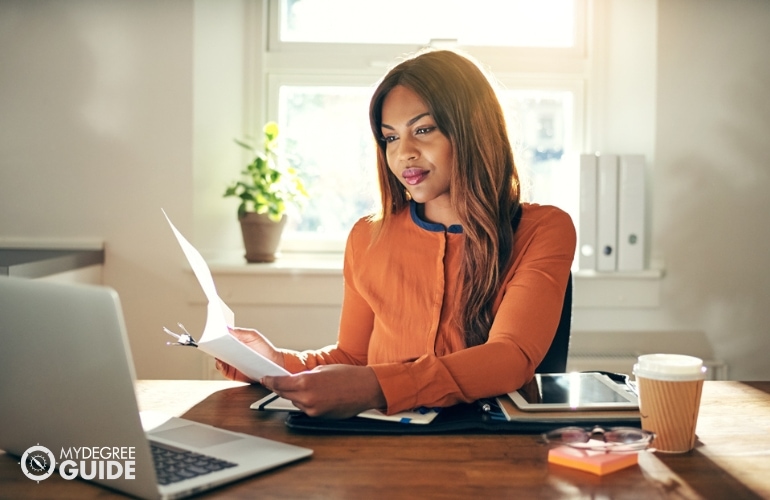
(418, 154)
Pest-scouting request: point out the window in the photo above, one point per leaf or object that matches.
(517, 23)
(320, 73)
(326, 130)
(542, 124)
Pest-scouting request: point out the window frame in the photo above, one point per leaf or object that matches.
(297, 63)
(275, 45)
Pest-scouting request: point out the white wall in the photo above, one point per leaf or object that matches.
(712, 174)
(111, 110)
(96, 135)
(222, 73)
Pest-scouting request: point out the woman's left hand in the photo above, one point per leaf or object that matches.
(331, 391)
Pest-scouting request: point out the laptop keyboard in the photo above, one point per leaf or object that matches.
(173, 464)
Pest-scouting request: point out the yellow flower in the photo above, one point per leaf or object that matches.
(271, 130)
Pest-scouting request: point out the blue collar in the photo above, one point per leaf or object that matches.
(432, 226)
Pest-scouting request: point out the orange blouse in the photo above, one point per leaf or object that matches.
(397, 314)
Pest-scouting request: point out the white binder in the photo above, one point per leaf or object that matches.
(588, 211)
(631, 193)
(607, 205)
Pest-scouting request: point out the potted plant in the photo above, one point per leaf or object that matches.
(268, 188)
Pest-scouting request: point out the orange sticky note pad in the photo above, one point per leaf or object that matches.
(596, 462)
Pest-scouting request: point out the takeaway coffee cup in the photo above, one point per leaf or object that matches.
(670, 388)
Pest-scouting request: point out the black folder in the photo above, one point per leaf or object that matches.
(485, 416)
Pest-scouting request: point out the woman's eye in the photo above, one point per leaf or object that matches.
(424, 130)
(388, 138)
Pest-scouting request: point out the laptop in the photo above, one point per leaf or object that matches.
(68, 406)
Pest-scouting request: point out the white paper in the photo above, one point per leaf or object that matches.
(275, 403)
(217, 341)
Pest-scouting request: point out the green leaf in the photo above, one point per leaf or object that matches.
(270, 181)
(244, 145)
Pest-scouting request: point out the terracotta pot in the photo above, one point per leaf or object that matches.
(261, 236)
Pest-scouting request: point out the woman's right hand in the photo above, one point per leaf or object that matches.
(257, 342)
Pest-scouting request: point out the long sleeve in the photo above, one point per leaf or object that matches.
(398, 313)
(527, 313)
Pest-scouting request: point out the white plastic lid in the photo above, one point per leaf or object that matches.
(670, 367)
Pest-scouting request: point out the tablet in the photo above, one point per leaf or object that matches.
(573, 392)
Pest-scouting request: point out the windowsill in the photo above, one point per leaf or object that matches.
(287, 264)
(331, 263)
(592, 289)
(648, 274)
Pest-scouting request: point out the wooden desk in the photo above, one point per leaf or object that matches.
(731, 460)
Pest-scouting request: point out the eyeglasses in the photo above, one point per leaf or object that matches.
(618, 439)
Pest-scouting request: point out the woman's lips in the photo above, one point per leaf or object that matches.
(414, 176)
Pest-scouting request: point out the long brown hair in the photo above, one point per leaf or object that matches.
(484, 185)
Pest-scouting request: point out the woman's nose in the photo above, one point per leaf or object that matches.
(407, 150)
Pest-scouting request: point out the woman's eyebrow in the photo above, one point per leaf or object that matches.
(409, 123)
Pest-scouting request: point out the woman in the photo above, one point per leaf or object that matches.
(454, 291)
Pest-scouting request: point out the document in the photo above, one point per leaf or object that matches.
(217, 341)
(512, 413)
(420, 416)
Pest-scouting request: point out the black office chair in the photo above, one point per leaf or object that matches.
(555, 360)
